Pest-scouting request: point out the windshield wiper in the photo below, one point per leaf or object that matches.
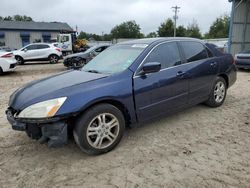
(93, 71)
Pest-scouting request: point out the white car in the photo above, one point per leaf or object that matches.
(7, 62)
(38, 52)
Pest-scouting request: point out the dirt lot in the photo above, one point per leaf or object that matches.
(199, 147)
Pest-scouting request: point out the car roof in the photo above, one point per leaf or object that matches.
(39, 43)
(158, 39)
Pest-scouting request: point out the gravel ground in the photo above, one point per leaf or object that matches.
(199, 147)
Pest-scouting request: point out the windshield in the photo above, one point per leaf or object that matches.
(115, 59)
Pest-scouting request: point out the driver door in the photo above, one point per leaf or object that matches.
(30, 52)
(164, 91)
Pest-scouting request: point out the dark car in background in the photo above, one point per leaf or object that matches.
(6, 49)
(242, 60)
(78, 60)
(126, 85)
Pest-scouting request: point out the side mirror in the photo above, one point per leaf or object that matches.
(25, 50)
(150, 67)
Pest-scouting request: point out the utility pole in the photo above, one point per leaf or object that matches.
(176, 10)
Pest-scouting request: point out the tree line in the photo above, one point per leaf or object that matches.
(130, 29)
(16, 18)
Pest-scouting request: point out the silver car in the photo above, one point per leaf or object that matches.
(242, 60)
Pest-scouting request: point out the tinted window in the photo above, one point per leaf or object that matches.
(210, 54)
(194, 51)
(167, 54)
(31, 47)
(99, 49)
(42, 46)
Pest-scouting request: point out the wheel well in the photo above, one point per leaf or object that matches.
(118, 105)
(225, 78)
(18, 56)
(53, 54)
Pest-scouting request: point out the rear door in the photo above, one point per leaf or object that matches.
(164, 91)
(43, 51)
(202, 69)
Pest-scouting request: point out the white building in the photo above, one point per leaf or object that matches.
(17, 34)
(239, 36)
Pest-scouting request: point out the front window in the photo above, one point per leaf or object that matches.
(115, 59)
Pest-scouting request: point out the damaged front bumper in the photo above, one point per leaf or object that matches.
(53, 131)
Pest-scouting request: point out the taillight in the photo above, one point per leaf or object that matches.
(9, 55)
(58, 49)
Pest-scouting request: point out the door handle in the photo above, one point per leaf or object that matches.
(180, 74)
(213, 64)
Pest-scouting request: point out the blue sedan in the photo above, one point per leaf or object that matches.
(128, 84)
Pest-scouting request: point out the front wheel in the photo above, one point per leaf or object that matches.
(218, 93)
(99, 129)
(53, 59)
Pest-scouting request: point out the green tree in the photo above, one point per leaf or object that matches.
(8, 18)
(193, 30)
(83, 35)
(16, 18)
(152, 35)
(89, 36)
(107, 37)
(22, 18)
(166, 29)
(129, 29)
(181, 31)
(219, 28)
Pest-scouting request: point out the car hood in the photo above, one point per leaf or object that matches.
(38, 91)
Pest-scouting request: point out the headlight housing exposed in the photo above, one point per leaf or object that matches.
(43, 109)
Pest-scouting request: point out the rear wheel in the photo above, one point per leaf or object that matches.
(19, 60)
(99, 129)
(53, 59)
(1, 71)
(218, 93)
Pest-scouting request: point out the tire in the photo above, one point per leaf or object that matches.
(92, 136)
(218, 93)
(53, 59)
(78, 63)
(20, 60)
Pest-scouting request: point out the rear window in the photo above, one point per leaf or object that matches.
(194, 51)
(42, 46)
(31, 47)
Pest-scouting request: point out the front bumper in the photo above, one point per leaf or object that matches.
(55, 133)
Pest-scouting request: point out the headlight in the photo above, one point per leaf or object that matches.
(43, 109)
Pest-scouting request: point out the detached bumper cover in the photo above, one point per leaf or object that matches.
(54, 133)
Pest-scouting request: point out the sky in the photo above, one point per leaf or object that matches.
(97, 16)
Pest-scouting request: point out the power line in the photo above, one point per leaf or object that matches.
(176, 10)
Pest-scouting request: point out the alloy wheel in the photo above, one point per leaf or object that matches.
(219, 92)
(53, 59)
(103, 130)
